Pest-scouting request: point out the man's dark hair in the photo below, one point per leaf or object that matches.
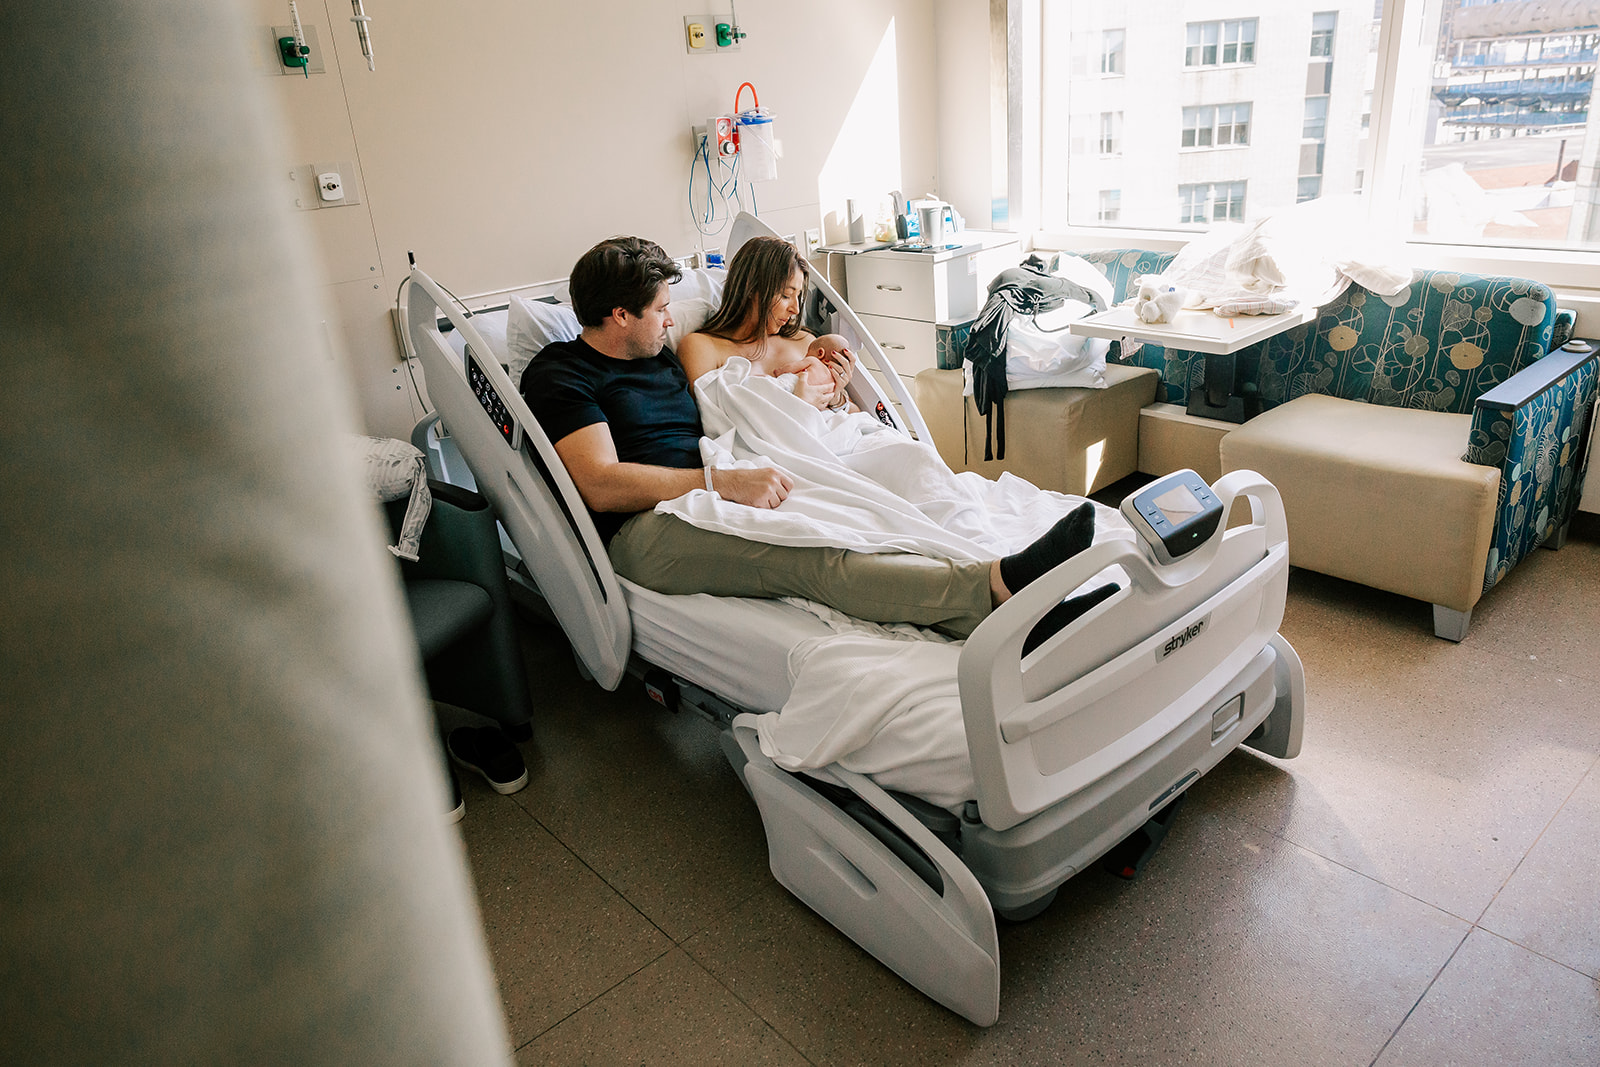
(619, 272)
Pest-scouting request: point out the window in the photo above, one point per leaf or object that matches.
(1197, 124)
(1202, 48)
(1110, 133)
(1322, 26)
(1224, 124)
(1110, 205)
(1315, 127)
(1239, 41)
(1220, 202)
(1111, 51)
(1511, 82)
(1237, 37)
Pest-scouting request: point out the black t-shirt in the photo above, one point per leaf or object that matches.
(645, 402)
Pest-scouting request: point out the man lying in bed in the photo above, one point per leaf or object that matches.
(618, 408)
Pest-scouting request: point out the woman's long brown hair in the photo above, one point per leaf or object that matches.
(758, 273)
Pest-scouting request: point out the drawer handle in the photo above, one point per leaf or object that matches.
(890, 288)
(902, 348)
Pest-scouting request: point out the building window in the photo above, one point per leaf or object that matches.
(1197, 124)
(1322, 26)
(1308, 189)
(1239, 41)
(1222, 124)
(1315, 127)
(1110, 133)
(1233, 124)
(1218, 202)
(1111, 42)
(1202, 46)
(1110, 205)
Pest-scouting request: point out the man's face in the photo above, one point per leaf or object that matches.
(648, 332)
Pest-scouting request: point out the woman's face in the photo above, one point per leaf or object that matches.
(786, 305)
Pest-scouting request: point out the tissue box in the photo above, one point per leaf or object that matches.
(950, 343)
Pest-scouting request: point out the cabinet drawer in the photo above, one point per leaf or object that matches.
(908, 286)
(911, 345)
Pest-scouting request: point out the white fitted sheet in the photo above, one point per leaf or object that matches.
(735, 647)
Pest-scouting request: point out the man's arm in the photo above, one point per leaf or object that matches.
(608, 484)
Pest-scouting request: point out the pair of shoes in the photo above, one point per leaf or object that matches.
(459, 802)
(488, 751)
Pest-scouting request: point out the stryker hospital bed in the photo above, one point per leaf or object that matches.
(1073, 748)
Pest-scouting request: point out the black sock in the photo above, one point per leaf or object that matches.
(1061, 542)
(1056, 619)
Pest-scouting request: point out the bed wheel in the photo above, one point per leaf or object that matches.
(1024, 912)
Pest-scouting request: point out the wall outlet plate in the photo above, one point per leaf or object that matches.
(315, 64)
(713, 31)
(307, 179)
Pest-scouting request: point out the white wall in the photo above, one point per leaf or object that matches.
(499, 140)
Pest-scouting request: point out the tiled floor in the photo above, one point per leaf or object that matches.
(1420, 886)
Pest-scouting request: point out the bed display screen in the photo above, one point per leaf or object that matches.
(1178, 504)
(492, 403)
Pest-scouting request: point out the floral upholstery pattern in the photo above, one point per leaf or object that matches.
(1438, 345)
(1537, 448)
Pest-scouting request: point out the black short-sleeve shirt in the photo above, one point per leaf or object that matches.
(645, 402)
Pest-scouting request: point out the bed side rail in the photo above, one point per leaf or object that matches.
(1129, 672)
(516, 467)
(867, 390)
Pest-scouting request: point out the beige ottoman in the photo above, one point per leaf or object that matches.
(1378, 495)
(1070, 440)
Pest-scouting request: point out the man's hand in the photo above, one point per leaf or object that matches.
(761, 487)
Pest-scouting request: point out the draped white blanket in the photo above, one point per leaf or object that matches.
(858, 484)
(878, 700)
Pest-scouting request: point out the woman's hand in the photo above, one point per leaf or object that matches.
(815, 383)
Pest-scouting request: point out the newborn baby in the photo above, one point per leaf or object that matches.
(821, 374)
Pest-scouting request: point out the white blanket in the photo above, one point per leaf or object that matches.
(858, 484)
(878, 700)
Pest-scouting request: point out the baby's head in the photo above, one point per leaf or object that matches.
(829, 344)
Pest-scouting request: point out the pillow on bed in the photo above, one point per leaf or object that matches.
(699, 284)
(687, 317)
(532, 324)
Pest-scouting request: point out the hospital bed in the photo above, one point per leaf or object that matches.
(1074, 747)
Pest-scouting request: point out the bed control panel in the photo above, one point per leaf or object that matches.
(492, 401)
(1175, 515)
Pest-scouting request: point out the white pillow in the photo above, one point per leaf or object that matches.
(532, 324)
(1050, 357)
(699, 283)
(687, 317)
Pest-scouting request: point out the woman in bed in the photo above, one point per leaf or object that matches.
(760, 320)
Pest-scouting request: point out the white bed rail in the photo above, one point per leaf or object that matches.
(535, 500)
(1129, 672)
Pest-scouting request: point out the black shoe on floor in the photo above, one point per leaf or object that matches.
(458, 806)
(488, 751)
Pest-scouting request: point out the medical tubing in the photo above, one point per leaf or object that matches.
(756, 100)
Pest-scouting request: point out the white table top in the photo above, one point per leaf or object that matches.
(1195, 331)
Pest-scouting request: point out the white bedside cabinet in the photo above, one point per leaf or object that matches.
(904, 298)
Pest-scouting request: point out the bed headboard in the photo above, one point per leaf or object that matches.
(516, 467)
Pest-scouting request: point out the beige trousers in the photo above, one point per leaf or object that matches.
(668, 555)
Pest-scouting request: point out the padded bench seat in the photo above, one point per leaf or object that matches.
(1378, 495)
(1070, 440)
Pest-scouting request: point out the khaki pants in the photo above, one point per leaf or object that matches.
(668, 555)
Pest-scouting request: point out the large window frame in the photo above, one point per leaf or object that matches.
(1388, 178)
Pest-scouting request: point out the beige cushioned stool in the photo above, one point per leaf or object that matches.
(1378, 495)
(1070, 440)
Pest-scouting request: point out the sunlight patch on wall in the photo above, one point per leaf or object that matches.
(864, 162)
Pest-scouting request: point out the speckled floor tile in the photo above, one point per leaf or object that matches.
(558, 936)
(1552, 903)
(672, 1012)
(1497, 1003)
(1233, 947)
(1432, 767)
(1547, 609)
(645, 797)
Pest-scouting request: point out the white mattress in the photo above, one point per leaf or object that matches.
(734, 647)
